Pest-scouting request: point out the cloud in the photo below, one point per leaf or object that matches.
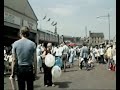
(61, 11)
(92, 2)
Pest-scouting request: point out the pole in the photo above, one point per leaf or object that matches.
(86, 31)
(108, 23)
(109, 26)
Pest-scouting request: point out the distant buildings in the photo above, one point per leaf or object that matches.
(77, 40)
(95, 38)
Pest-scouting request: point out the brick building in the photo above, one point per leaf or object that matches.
(96, 38)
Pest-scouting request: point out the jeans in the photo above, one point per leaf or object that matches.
(47, 75)
(101, 59)
(110, 61)
(86, 63)
(25, 75)
(64, 59)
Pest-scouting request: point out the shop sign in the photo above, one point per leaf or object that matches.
(31, 25)
(46, 37)
(41, 36)
(11, 18)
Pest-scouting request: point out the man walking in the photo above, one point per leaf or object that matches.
(109, 56)
(84, 55)
(24, 54)
(64, 55)
(101, 50)
(39, 60)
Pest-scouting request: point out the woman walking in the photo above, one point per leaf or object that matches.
(47, 70)
(72, 55)
(39, 60)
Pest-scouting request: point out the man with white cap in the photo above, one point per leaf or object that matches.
(101, 50)
(109, 56)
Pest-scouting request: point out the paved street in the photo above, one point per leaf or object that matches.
(97, 78)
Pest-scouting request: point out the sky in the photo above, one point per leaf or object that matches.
(72, 16)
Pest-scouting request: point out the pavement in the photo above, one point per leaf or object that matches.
(97, 78)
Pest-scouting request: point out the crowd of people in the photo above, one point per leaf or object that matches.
(25, 58)
(7, 59)
(102, 54)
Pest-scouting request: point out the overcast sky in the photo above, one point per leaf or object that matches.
(73, 15)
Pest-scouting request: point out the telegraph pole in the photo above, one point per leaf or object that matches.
(108, 16)
(86, 31)
(109, 26)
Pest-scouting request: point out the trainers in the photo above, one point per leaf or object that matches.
(16, 79)
(53, 85)
(46, 85)
(4, 73)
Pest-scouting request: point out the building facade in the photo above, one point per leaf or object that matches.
(45, 36)
(18, 13)
(96, 38)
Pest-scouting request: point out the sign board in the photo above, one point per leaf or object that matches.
(11, 18)
(56, 38)
(51, 37)
(46, 36)
(30, 24)
(41, 36)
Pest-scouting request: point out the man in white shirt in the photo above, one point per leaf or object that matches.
(109, 56)
(58, 51)
(101, 50)
(97, 54)
(53, 51)
(72, 55)
(58, 56)
(39, 59)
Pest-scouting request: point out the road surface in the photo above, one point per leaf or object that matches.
(73, 78)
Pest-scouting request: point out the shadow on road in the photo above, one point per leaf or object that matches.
(36, 86)
(71, 70)
(63, 84)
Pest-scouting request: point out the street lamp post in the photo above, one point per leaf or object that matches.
(108, 16)
(109, 26)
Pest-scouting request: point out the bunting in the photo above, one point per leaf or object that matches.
(55, 24)
(44, 18)
(48, 19)
(52, 23)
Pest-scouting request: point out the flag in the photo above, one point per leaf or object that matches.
(44, 18)
(52, 23)
(55, 24)
(48, 19)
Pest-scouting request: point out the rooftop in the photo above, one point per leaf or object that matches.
(97, 35)
(46, 31)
